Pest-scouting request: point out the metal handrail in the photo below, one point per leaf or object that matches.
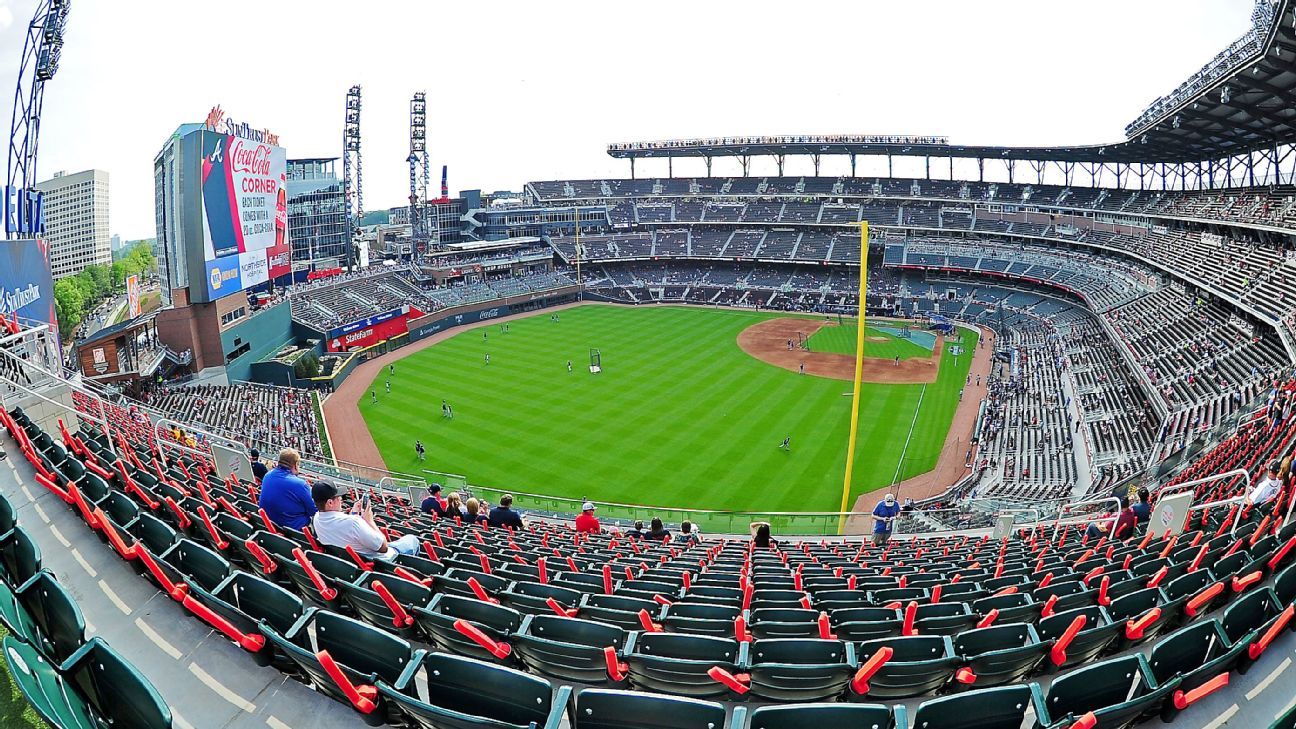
(1163, 490)
(1221, 502)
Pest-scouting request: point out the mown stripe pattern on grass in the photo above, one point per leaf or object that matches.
(680, 416)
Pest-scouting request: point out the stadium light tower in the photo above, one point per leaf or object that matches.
(351, 169)
(40, 61)
(418, 153)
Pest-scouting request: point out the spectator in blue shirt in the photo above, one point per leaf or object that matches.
(884, 519)
(285, 496)
(434, 504)
(1143, 509)
(502, 515)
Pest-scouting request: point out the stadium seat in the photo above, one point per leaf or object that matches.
(569, 649)
(991, 708)
(1096, 633)
(328, 570)
(998, 654)
(828, 716)
(1145, 614)
(917, 665)
(43, 614)
(7, 518)
(1118, 692)
(682, 665)
(799, 669)
(344, 659)
(1012, 608)
(612, 709)
(1249, 618)
(866, 623)
(94, 687)
(1196, 655)
(386, 601)
(456, 692)
(701, 618)
(784, 623)
(189, 561)
(20, 557)
(438, 622)
(617, 610)
(247, 602)
(533, 597)
(944, 618)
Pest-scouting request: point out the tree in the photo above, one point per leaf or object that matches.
(69, 303)
(117, 274)
(307, 366)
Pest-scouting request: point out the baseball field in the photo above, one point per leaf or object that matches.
(679, 416)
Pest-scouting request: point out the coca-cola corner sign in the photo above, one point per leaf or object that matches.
(243, 175)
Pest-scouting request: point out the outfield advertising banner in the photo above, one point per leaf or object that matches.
(132, 296)
(369, 322)
(454, 320)
(243, 175)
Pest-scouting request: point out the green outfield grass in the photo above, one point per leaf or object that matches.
(841, 340)
(679, 417)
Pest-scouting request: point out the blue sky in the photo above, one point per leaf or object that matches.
(525, 91)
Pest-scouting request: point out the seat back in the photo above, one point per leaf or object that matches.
(60, 627)
(1004, 706)
(19, 556)
(800, 669)
(828, 716)
(1117, 691)
(610, 709)
(117, 693)
(567, 648)
(490, 695)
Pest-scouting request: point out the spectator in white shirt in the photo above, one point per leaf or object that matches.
(355, 529)
(1267, 489)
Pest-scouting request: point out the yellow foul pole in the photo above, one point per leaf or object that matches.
(858, 381)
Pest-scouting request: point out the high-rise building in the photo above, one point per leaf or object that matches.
(316, 213)
(76, 221)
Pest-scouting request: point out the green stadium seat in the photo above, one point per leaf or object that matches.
(344, 658)
(247, 602)
(438, 619)
(1250, 617)
(1145, 610)
(94, 687)
(918, 665)
(944, 618)
(1119, 692)
(1003, 707)
(612, 709)
(1195, 654)
(20, 557)
(42, 613)
(1013, 608)
(455, 582)
(784, 623)
(1285, 585)
(998, 654)
(700, 618)
(1096, 635)
(800, 669)
(828, 716)
(456, 692)
(8, 520)
(533, 597)
(331, 571)
(569, 649)
(191, 562)
(368, 597)
(682, 665)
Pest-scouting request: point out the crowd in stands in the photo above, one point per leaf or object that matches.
(335, 301)
(265, 416)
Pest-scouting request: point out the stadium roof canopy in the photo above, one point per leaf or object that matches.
(1242, 102)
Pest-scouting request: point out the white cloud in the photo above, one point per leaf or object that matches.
(6, 16)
